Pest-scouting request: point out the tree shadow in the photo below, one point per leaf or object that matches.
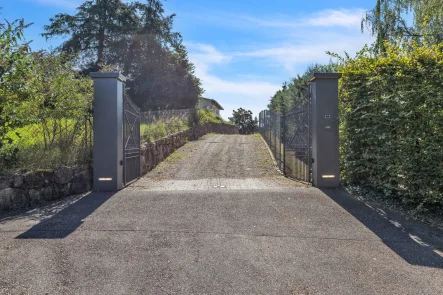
(66, 221)
(416, 243)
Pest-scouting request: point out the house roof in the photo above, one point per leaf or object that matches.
(214, 102)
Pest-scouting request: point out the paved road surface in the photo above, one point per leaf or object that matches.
(217, 218)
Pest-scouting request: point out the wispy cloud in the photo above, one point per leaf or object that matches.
(291, 45)
(346, 18)
(349, 18)
(325, 18)
(251, 93)
(309, 50)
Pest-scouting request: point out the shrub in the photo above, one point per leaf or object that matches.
(391, 131)
(206, 115)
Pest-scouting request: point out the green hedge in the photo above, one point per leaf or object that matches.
(391, 130)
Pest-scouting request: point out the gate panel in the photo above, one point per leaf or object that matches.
(297, 139)
(131, 140)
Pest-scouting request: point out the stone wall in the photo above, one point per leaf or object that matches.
(19, 191)
(152, 153)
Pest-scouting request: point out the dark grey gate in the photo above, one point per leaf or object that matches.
(289, 137)
(306, 146)
(297, 139)
(131, 140)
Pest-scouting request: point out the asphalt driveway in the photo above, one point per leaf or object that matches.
(217, 218)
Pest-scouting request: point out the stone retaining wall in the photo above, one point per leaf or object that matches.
(19, 191)
(152, 153)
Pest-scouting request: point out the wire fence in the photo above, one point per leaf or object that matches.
(166, 115)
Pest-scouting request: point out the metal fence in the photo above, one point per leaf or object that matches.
(166, 115)
(288, 136)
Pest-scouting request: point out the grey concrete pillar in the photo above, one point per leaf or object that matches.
(108, 131)
(325, 124)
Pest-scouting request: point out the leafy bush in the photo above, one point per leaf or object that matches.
(206, 115)
(391, 132)
(47, 123)
(244, 121)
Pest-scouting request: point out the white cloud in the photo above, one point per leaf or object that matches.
(311, 49)
(349, 18)
(231, 94)
(286, 51)
(204, 55)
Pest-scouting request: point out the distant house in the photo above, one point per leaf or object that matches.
(207, 103)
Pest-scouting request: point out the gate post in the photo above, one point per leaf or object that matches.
(108, 131)
(325, 125)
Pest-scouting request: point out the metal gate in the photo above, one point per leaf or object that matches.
(297, 139)
(289, 137)
(131, 140)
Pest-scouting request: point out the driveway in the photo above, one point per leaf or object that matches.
(217, 218)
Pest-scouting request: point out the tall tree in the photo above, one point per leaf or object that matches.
(137, 39)
(94, 30)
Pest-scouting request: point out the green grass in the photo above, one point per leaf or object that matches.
(159, 129)
(28, 151)
(162, 128)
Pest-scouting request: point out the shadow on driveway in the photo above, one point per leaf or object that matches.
(66, 221)
(417, 244)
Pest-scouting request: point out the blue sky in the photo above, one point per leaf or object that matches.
(243, 50)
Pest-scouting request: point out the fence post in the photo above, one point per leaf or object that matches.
(283, 141)
(108, 131)
(270, 131)
(325, 124)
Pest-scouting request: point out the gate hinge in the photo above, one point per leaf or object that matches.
(312, 160)
(121, 162)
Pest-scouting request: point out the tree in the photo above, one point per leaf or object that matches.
(243, 119)
(388, 22)
(292, 93)
(96, 30)
(136, 39)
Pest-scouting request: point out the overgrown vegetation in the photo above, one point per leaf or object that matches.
(206, 115)
(45, 107)
(161, 128)
(46, 98)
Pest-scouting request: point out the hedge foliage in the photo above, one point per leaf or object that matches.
(391, 129)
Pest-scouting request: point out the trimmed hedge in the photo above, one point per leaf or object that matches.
(391, 130)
